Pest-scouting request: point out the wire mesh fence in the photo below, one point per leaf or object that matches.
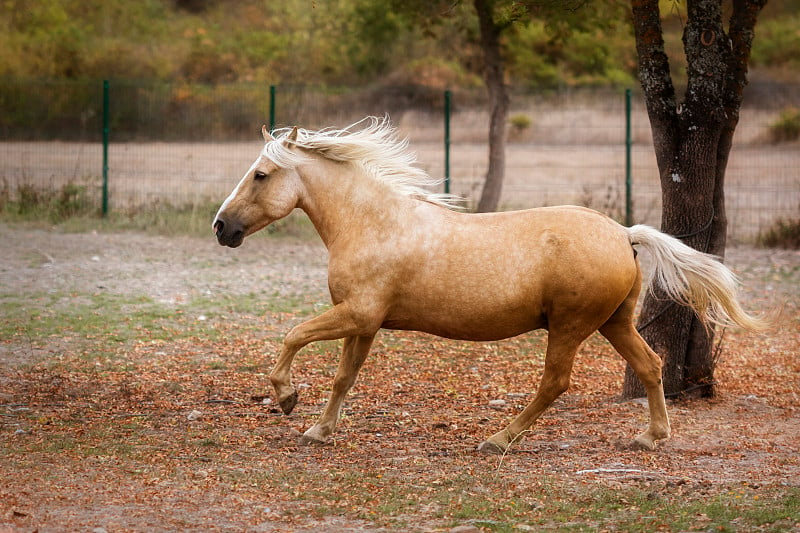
(182, 144)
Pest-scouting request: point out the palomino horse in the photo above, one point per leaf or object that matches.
(400, 259)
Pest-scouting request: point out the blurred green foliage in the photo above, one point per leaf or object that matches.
(787, 126)
(344, 42)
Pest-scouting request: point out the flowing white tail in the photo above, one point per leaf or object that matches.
(694, 279)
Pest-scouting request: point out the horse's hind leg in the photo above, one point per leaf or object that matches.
(622, 334)
(354, 352)
(561, 350)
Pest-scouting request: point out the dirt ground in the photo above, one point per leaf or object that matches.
(86, 444)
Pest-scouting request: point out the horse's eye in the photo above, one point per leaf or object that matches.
(258, 176)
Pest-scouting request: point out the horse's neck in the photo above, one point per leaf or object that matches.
(341, 199)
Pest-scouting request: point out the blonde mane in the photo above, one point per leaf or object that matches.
(375, 147)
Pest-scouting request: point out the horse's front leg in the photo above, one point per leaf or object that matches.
(354, 353)
(334, 323)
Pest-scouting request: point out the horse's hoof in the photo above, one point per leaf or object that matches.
(643, 443)
(288, 403)
(491, 448)
(309, 440)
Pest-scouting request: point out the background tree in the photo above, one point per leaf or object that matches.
(497, 19)
(491, 28)
(494, 17)
(692, 139)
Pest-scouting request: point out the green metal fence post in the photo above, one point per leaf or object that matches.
(628, 143)
(105, 147)
(271, 108)
(447, 98)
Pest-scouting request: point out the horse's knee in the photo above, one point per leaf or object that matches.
(645, 363)
(650, 376)
(650, 372)
(294, 339)
(555, 386)
(563, 384)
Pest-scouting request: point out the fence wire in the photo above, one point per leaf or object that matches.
(182, 145)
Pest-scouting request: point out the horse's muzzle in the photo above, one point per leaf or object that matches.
(228, 234)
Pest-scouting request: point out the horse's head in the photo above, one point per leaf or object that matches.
(267, 192)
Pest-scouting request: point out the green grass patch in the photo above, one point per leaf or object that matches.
(93, 440)
(100, 318)
(493, 506)
(98, 326)
(46, 206)
(557, 508)
(72, 209)
(784, 233)
(786, 128)
(252, 303)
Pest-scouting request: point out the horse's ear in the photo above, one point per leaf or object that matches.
(292, 137)
(266, 135)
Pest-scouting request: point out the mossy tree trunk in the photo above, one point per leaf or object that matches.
(692, 140)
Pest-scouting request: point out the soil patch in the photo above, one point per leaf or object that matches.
(160, 432)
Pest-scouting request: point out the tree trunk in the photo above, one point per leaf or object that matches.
(498, 103)
(692, 141)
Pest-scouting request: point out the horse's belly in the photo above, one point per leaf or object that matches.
(458, 332)
(475, 321)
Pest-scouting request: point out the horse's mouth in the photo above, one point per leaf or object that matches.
(233, 241)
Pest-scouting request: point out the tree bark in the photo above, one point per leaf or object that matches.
(692, 141)
(498, 103)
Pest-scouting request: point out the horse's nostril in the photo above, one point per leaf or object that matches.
(218, 227)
